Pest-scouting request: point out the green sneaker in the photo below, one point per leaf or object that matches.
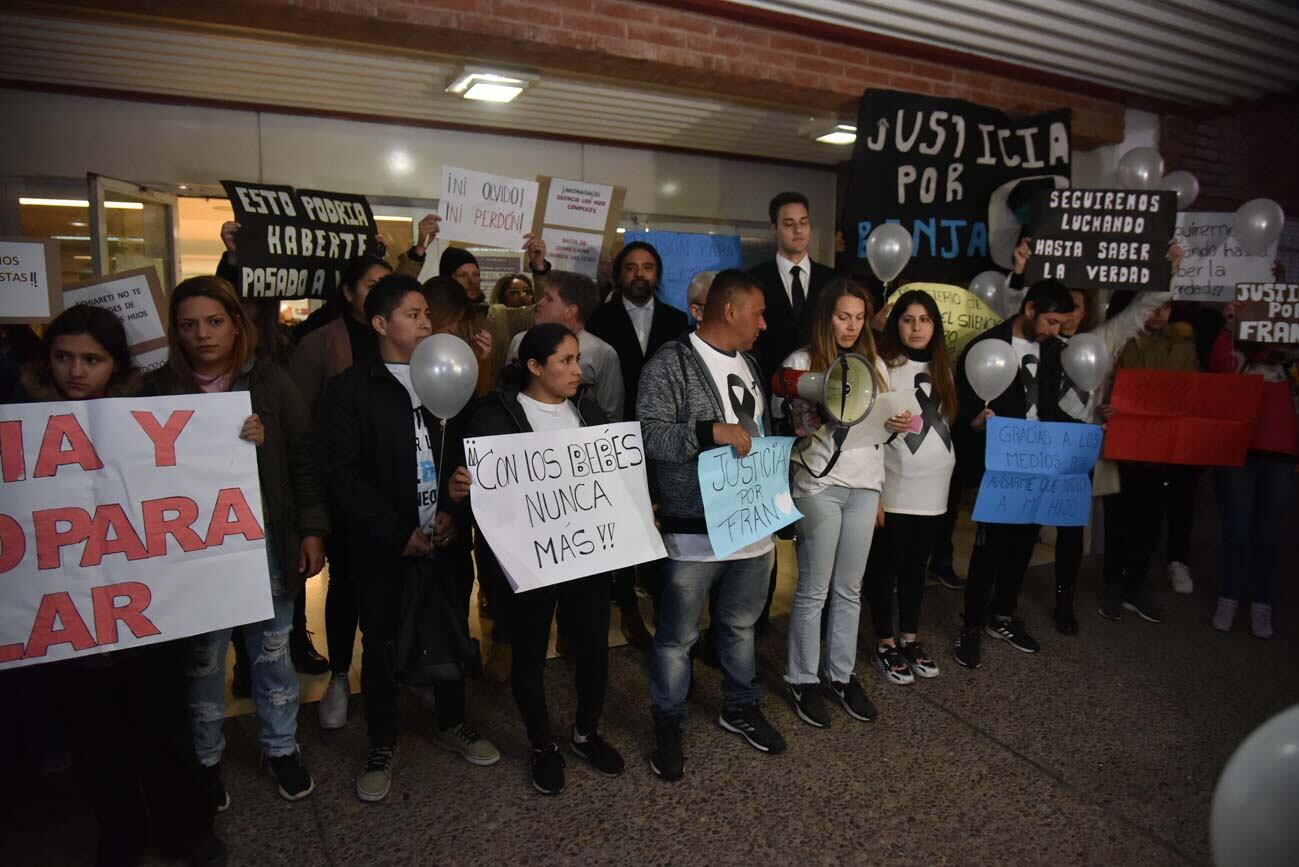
(463, 739)
(376, 780)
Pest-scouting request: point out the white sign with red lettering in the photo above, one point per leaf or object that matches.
(126, 521)
(478, 208)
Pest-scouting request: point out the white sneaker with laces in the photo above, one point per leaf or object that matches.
(1225, 614)
(1179, 575)
(1260, 620)
(333, 704)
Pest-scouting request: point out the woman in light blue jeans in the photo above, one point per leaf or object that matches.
(839, 496)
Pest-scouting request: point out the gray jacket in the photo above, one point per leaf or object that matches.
(677, 405)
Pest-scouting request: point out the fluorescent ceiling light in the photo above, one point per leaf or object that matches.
(392, 219)
(486, 85)
(80, 203)
(839, 134)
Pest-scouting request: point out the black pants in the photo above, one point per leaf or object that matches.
(908, 542)
(380, 598)
(128, 730)
(1068, 560)
(1001, 556)
(584, 609)
(1135, 515)
(341, 616)
(494, 586)
(944, 555)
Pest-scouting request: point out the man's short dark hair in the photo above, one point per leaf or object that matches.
(574, 288)
(727, 287)
(1048, 296)
(386, 294)
(783, 199)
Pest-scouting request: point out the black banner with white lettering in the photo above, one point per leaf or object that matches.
(933, 165)
(292, 243)
(1102, 239)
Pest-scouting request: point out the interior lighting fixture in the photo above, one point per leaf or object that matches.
(486, 85)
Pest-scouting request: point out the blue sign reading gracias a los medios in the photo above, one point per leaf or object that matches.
(1036, 472)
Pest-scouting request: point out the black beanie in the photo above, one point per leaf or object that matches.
(452, 260)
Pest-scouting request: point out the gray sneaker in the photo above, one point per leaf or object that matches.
(472, 746)
(333, 704)
(376, 780)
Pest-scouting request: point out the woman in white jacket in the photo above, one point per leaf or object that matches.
(838, 494)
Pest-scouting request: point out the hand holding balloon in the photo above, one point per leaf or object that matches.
(980, 421)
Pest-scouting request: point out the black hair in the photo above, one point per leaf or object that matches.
(105, 329)
(386, 294)
(780, 200)
(1119, 301)
(538, 344)
(726, 285)
(574, 288)
(633, 246)
(1048, 296)
(354, 272)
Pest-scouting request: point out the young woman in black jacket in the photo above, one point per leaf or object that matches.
(539, 392)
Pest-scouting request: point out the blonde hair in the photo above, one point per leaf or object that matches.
(822, 348)
(224, 294)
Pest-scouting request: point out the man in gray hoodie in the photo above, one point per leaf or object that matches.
(697, 393)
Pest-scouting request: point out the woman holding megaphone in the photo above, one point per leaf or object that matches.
(838, 493)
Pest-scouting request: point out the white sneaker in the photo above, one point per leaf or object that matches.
(1225, 614)
(1179, 575)
(333, 704)
(1260, 620)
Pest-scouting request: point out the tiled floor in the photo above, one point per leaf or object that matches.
(1102, 749)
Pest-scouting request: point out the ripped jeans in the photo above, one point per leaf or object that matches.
(274, 680)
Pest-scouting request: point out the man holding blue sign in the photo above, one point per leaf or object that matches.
(699, 392)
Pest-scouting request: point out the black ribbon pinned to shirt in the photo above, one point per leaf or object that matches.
(743, 407)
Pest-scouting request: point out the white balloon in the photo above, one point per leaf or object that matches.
(991, 366)
(1256, 224)
(989, 287)
(1086, 361)
(444, 373)
(888, 249)
(1140, 169)
(1185, 184)
(1253, 822)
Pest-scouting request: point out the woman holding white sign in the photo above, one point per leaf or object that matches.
(213, 349)
(539, 392)
(839, 496)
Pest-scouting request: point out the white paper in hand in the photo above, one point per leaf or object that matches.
(871, 431)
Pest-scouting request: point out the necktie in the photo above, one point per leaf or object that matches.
(1028, 375)
(796, 296)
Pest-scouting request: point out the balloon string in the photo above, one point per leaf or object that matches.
(442, 449)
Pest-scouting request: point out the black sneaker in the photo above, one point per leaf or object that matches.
(854, 700)
(968, 648)
(944, 574)
(547, 770)
(748, 722)
(1112, 602)
(808, 704)
(217, 795)
(667, 760)
(596, 750)
(1012, 632)
(1066, 622)
(289, 772)
(1143, 605)
(306, 659)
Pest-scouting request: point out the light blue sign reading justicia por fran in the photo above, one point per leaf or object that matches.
(746, 499)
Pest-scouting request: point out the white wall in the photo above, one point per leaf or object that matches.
(63, 136)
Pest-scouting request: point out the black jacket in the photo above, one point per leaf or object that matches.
(784, 334)
(611, 324)
(1012, 403)
(367, 437)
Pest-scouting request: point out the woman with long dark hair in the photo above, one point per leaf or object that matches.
(126, 712)
(540, 392)
(213, 349)
(918, 465)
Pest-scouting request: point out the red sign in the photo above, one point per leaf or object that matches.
(1170, 417)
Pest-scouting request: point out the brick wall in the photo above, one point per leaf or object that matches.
(661, 43)
(1237, 156)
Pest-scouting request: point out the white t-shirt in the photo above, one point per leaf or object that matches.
(918, 466)
(1030, 349)
(740, 391)
(859, 468)
(601, 370)
(425, 465)
(549, 416)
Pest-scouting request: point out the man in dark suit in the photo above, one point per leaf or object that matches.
(635, 323)
(790, 281)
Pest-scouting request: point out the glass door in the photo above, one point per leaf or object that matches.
(132, 226)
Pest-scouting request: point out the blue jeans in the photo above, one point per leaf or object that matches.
(274, 680)
(1253, 500)
(834, 540)
(742, 590)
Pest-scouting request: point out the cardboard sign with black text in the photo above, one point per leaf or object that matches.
(1102, 239)
(933, 166)
(292, 243)
(1267, 312)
